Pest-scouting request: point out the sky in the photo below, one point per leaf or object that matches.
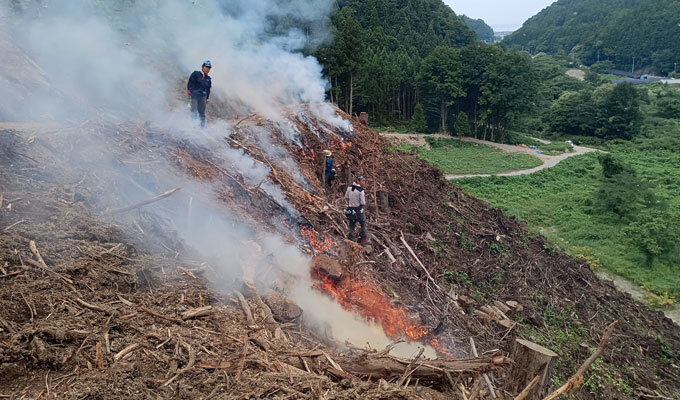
(501, 15)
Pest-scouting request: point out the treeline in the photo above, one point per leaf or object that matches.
(388, 57)
(588, 31)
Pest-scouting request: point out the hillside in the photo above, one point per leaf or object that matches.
(484, 32)
(614, 30)
(144, 257)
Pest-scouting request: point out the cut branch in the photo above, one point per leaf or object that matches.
(145, 202)
(577, 379)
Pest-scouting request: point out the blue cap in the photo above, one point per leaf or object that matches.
(206, 63)
(359, 177)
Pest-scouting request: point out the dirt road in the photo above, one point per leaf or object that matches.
(548, 161)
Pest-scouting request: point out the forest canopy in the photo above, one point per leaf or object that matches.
(588, 31)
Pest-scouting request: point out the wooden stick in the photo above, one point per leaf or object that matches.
(35, 252)
(577, 379)
(486, 376)
(242, 360)
(243, 119)
(246, 308)
(126, 351)
(407, 371)
(145, 202)
(146, 310)
(197, 312)
(187, 272)
(100, 357)
(403, 240)
(93, 307)
(50, 272)
(524, 393)
(14, 224)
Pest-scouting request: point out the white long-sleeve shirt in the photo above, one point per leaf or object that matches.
(356, 197)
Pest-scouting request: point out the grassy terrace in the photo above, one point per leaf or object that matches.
(456, 157)
(561, 203)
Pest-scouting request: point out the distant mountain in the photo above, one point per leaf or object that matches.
(614, 30)
(484, 32)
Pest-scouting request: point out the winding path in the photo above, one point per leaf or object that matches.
(548, 161)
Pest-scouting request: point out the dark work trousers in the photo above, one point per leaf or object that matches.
(198, 109)
(353, 224)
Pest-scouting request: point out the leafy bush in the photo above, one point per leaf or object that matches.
(655, 233)
(462, 125)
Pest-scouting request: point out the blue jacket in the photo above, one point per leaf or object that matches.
(199, 85)
(329, 166)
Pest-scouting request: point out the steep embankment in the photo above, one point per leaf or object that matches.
(125, 284)
(615, 30)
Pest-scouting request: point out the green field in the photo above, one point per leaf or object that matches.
(455, 157)
(561, 203)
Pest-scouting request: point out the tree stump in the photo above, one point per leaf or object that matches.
(384, 201)
(347, 171)
(531, 360)
(363, 117)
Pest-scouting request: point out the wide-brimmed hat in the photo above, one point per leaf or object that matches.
(327, 153)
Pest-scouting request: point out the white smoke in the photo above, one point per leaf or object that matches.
(74, 59)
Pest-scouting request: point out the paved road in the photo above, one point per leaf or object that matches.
(548, 161)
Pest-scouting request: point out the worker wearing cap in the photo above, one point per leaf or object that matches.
(329, 171)
(198, 88)
(356, 198)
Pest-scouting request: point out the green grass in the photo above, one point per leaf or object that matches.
(560, 203)
(456, 157)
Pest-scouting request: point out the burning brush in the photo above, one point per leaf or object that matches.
(366, 299)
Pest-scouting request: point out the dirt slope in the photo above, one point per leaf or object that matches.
(120, 284)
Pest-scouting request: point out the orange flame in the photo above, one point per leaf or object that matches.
(322, 243)
(366, 300)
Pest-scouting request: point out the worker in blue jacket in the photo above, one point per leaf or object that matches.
(198, 88)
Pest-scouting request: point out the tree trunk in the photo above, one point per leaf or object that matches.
(532, 360)
(351, 92)
(330, 91)
(443, 116)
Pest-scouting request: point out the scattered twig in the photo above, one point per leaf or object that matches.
(110, 250)
(246, 308)
(100, 357)
(409, 368)
(403, 240)
(126, 351)
(187, 272)
(146, 310)
(577, 379)
(27, 305)
(197, 312)
(34, 250)
(93, 306)
(189, 366)
(243, 119)
(145, 202)
(242, 359)
(14, 224)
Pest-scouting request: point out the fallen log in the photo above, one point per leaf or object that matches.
(370, 366)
